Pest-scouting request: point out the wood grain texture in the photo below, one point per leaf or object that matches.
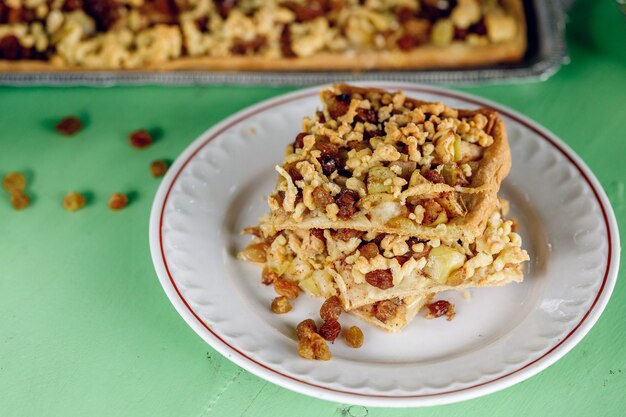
(85, 328)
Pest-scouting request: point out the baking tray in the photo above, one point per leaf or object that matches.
(546, 52)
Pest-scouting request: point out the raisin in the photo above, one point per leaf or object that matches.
(314, 347)
(339, 106)
(440, 308)
(331, 309)
(346, 200)
(320, 116)
(281, 305)
(69, 126)
(225, 6)
(323, 144)
(367, 116)
(71, 5)
(243, 47)
(369, 250)
(319, 233)
(433, 176)
(10, 48)
(268, 276)
(329, 164)
(299, 142)
(347, 234)
(354, 337)
(306, 12)
(202, 24)
(74, 201)
(321, 197)
(140, 139)
(403, 259)
(330, 329)
(286, 288)
(255, 252)
(19, 200)
(384, 310)
(14, 182)
(158, 168)
(436, 9)
(305, 328)
(404, 14)
(406, 42)
(118, 201)
(285, 43)
(104, 12)
(380, 278)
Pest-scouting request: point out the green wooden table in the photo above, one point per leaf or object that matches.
(85, 328)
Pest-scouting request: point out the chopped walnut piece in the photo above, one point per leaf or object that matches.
(287, 288)
(440, 308)
(305, 328)
(281, 305)
(118, 201)
(331, 309)
(354, 337)
(380, 278)
(14, 182)
(314, 347)
(158, 168)
(19, 200)
(74, 201)
(69, 126)
(141, 139)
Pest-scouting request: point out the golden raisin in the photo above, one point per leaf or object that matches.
(74, 201)
(255, 252)
(158, 168)
(321, 197)
(380, 278)
(331, 309)
(268, 276)
(369, 250)
(384, 310)
(354, 337)
(14, 181)
(118, 201)
(19, 200)
(314, 347)
(329, 330)
(281, 305)
(305, 328)
(286, 288)
(69, 126)
(140, 139)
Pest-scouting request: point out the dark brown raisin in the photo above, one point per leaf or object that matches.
(69, 125)
(140, 139)
(326, 148)
(404, 14)
(293, 172)
(331, 309)
(318, 233)
(354, 337)
(321, 197)
(329, 164)
(330, 329)
(285, 43)
(104, 12)
(343, 98)
(440, 308)
(380, 278)
(369, 251)
(305, 328)
(436, 9)
(433, 176)
(339, 105)
(402, 259)
(366, 116)
(225, 6)
(346, 200)
(299, 142)
(243, 47)
(307, 11)
(71, 5)
(320, 116)
(384, 310)
(10, 48)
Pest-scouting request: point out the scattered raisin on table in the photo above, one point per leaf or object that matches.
(19, 200)
(330, 329)
(331, 309)
(286, 288)
(354, 337)
(314, 347)
(158, 168)
(14, 182)
(140, 139)
(281, 305)
(305, 328)
(118, 201)
(69, 126)
(74, 201)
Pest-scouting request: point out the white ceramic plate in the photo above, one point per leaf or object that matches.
(499, 337)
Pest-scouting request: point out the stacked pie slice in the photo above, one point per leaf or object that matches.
(384, 201)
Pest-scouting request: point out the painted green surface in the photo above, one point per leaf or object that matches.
(85, 328)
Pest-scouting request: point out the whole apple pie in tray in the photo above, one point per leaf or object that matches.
(384, 201)
(250, 35)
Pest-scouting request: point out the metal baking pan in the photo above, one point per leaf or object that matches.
(546, 52)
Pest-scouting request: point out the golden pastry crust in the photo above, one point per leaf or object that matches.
(178, 45)
(466, 148)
